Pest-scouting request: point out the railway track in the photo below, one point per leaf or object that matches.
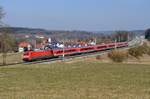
(137, 42)
(67, 58)
(56, 59)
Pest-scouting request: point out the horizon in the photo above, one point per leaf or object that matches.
(95, 15)
(80, 30)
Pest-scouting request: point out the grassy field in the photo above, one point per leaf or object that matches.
(80, 80)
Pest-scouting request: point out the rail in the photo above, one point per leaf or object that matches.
(134, 43)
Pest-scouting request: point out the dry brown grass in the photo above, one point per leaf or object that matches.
(12, 58)
(80, 80)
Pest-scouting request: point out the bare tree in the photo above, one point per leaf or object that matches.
(6, 40)
(121, 36)
(1, 16)
(147, 34)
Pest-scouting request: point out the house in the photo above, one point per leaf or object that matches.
(39, 47)
(24, 46)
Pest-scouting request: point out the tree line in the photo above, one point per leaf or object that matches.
(147, 34)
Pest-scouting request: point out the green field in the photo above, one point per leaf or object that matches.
(82, 80)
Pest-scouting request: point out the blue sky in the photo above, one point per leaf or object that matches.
(91, 15)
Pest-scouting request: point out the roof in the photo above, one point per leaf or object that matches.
(24, 44)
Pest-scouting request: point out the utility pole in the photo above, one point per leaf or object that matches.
(95, 41)
(35, 44)
(63, 51)
(128, 38)
(115, 44)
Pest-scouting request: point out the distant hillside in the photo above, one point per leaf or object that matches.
(65, 34)
(20, 30)
(139, 32)
(54, 34)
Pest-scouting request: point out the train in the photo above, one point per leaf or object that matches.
(51, 53)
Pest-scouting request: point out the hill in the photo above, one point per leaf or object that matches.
(54, 33)
(61, 34)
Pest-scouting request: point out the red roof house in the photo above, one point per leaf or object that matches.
(24, 44)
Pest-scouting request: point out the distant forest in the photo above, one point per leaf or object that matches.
(67, 34)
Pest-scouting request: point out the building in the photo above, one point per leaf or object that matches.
(24, 46)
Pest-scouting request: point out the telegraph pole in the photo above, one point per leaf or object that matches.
(115, 44)
(128, 37)
(63, 51)
(95, 41)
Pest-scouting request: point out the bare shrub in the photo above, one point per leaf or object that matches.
(118, 56)
(135, 52)
(138, 52)
(148, 51)
(98, 57)
(144, 48)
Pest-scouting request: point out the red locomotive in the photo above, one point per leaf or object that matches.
(35, 55)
